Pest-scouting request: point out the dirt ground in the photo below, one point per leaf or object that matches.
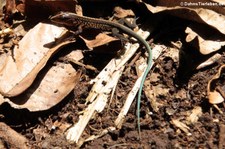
(178, 89)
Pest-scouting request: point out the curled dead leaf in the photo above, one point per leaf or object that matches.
(215, 97)
(18, 71)
(209, 61)
(50, 87)
(215, 92)
(203, 40)
(193, 10)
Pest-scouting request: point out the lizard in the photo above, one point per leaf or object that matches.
(69, 19)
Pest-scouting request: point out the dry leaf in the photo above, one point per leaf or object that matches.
(216, 93)
(181, 126)
(204, 43)
(29, 57)
(210, 15)
(48, 89)
(122, 13)
(209, 61)
(6, 31)
(215, 97)
(11, 138)
(76, 55)
(173, 52)
(10, 7)
(101, 39)
(62, 126)
(193, 10)
(194, 116)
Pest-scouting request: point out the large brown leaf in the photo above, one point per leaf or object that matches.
(19, 70)
(48, 89)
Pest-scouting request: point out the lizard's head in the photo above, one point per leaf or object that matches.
(63, 18)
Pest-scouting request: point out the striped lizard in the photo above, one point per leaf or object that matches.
(73, 20)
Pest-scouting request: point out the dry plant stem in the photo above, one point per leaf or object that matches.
(74, 133)
(129, 101)
(134, 59)
(104, 83)
(102, 133)
(99, 94)
(217, 108)
(81, 64)
(181, 126)
(131, 95)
